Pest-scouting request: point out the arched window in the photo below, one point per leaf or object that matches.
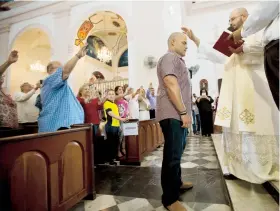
(123, 62)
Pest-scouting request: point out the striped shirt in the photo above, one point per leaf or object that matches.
(172, 64)
(60, 107)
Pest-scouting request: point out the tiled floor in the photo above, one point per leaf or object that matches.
(198, 153)
(244, 195)
(125, 188)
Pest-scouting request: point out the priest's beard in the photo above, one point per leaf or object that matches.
(237, 25)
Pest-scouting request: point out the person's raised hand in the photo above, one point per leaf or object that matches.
(38, 85)
(236, 36)
(13, 57)
(82, 52)
(191, 35)
(188, 32)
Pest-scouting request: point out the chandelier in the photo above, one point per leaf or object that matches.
(37, 67)
(104, 55)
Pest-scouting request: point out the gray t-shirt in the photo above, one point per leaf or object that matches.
(172, 64)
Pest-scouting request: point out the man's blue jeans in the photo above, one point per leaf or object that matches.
(174, 145)
(194, 122)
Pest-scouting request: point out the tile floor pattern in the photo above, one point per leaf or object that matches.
(127, 188)
(199, 152)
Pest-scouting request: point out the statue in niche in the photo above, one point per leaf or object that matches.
(203, 84)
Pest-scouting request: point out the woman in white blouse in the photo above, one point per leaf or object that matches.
(133, 105)
(144, 106)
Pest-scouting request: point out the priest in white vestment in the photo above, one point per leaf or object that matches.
(246, 109)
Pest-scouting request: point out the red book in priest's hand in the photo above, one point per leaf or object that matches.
(223, 43)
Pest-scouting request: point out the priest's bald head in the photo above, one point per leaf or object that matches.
(177, 42)
(238, 17)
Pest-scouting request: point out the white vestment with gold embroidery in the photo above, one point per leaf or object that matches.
(247, 113)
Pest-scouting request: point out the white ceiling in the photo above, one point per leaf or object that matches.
(203, 6)
(20, 9)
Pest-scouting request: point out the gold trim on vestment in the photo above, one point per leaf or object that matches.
(224, 113)
(247, 117)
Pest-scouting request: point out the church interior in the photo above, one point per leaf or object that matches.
(65, 170)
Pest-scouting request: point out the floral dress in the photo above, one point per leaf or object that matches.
(8, 112)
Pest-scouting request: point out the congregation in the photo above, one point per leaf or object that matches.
(245, 113)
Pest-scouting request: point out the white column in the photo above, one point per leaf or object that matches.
(61, 35)
(62, 49)
(147, 36)
(4, 52)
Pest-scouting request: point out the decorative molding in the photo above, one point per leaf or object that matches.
(214, 6)
(15, 4)
(35, 9)
(5, 29)
(65, 12)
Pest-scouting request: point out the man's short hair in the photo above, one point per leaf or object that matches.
(49, 67)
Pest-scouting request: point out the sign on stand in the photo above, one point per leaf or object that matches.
(130, 128)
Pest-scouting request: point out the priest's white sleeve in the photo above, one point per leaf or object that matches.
(261, 17)
(206, 51)
(256, 47)
(253, 49)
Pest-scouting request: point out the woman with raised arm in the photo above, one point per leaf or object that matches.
(8, 107)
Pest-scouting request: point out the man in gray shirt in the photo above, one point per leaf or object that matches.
(173, 112)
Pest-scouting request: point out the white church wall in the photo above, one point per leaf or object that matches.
(44, 22)
(150, 32)
(147, 35)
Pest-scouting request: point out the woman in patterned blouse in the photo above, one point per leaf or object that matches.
(8, 108)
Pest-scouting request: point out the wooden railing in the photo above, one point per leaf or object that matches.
(102, 86)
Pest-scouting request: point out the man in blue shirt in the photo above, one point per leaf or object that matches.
(60, 107)
(152, 98)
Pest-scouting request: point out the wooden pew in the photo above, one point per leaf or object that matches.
(46, 171)
(11, 132)
(149, 138)
(21, 130)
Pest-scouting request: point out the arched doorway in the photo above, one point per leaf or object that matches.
(105, 32)
(34, 49)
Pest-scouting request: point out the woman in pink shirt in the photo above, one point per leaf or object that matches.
(124, 113)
